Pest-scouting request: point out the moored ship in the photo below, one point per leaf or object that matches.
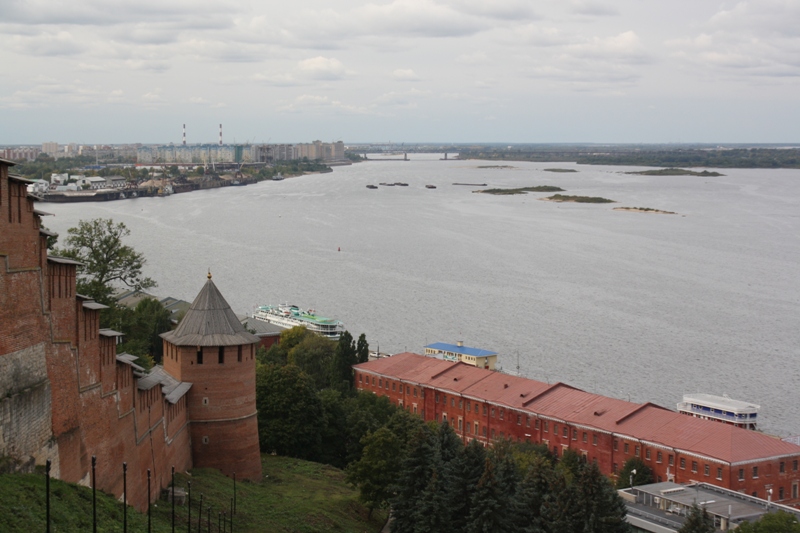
(288, 316)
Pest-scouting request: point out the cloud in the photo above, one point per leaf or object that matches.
(317, 103)
(62, 43)
(322, 68)
(404, 74)
(594, 9)
(746, 41)
(404, 99)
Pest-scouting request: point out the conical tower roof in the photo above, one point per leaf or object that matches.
(209, 322)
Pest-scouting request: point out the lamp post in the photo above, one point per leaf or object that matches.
(633, 473)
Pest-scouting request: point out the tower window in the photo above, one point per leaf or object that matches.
(199, 356)
(239, 353)
(221, 355)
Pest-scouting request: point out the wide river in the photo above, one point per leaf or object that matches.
(638, 306)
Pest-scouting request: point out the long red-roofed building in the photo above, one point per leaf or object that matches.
(485, 405)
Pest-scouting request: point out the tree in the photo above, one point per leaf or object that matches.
(780, 522)
(489, 504)
(698, 521)
(289, 412)
(107, 262)
(462, 475)
(643, 476)
(362, 349)
(142, 327)
(341, 367)
(377, 469)
(415, 474)
(600, 506)
(313, 355)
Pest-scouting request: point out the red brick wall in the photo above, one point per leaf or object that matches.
(607, 450)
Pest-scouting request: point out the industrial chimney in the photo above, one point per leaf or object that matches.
(184, 134)
(220, 134)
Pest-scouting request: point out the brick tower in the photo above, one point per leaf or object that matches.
(211, 349)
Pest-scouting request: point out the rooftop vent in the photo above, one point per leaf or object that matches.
(505, 385)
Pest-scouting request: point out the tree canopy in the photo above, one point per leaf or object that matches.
(108, 263)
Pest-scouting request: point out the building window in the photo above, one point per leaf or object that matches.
(415, 408)
(460, 424)
(741, 474)
(636, 451)
(594, 439)
(476, 427)
(755, 472)
(239, 353)
(394, 387)
(502, 413)
(719, 473)
(659, 457)
(460, 404)
(492, 412)
(444, 417)
(373, 381)
(794, 491)
(626, 448)
(707, 470)
(437, 398)
(199, 356)
(536, 424)
(519, 420)
(616, 445)
(527, 421)
(483, 431)
(546, 424)
(671, 460)
(782, 467)
(415, 392)
(360, 378)
(565, 433)
(694, 466)
(408, 389)
(484, 410)
(492, 433)
(615, 468)
(647, 454)
(452, 402)
(794, 465)
(780, 493)
(469, 407)
(683, 463)
(380, 383)
(222, 355)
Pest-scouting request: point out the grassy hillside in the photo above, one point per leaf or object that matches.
(295, 495)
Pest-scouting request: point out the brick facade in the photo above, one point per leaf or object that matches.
(484, 405)
(65, 395)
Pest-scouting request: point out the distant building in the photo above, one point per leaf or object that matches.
(464, 354)
(50, 148)
(483, 405)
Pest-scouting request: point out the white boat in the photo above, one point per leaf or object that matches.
(288, 316)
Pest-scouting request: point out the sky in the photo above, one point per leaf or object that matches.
(450, 71)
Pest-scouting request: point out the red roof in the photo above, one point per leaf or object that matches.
(648, 422)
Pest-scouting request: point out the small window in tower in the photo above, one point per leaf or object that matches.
(205, 401)
(205, 440)
(239, 353)
(221, 355)
(199, 356)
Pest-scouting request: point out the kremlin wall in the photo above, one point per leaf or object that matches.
(66, 395)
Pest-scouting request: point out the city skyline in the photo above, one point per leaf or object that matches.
(407, 70)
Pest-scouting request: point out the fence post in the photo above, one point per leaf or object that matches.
(125, 497)
(149, 495)
(47, 489)
(234, 492)
(94, 494)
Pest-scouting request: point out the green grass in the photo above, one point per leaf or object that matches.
(522, 190)
(295, 496)
(579, 199)
(560, 170)
(675, 172)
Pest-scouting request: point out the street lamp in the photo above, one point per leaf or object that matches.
(633, 473)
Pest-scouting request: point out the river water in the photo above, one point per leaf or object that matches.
(638, 306)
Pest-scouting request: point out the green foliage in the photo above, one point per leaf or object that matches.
(601, 508)
(377, 468)
(676, 172)
(362, 349)
(341, 365)
(289, 412)
(415, 475)
(522, 190)
(579, 199)
(698, 521)
(313, 355)
(107, 262)
(643, 476)
(779, 522)
(142, 327)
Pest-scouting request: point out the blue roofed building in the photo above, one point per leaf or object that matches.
(465, 354)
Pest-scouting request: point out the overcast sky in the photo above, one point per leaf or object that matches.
(115, 71)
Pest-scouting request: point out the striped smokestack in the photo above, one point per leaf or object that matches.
(184, 134)
(220, 134)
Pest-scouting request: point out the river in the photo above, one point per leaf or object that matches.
(639, 306)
